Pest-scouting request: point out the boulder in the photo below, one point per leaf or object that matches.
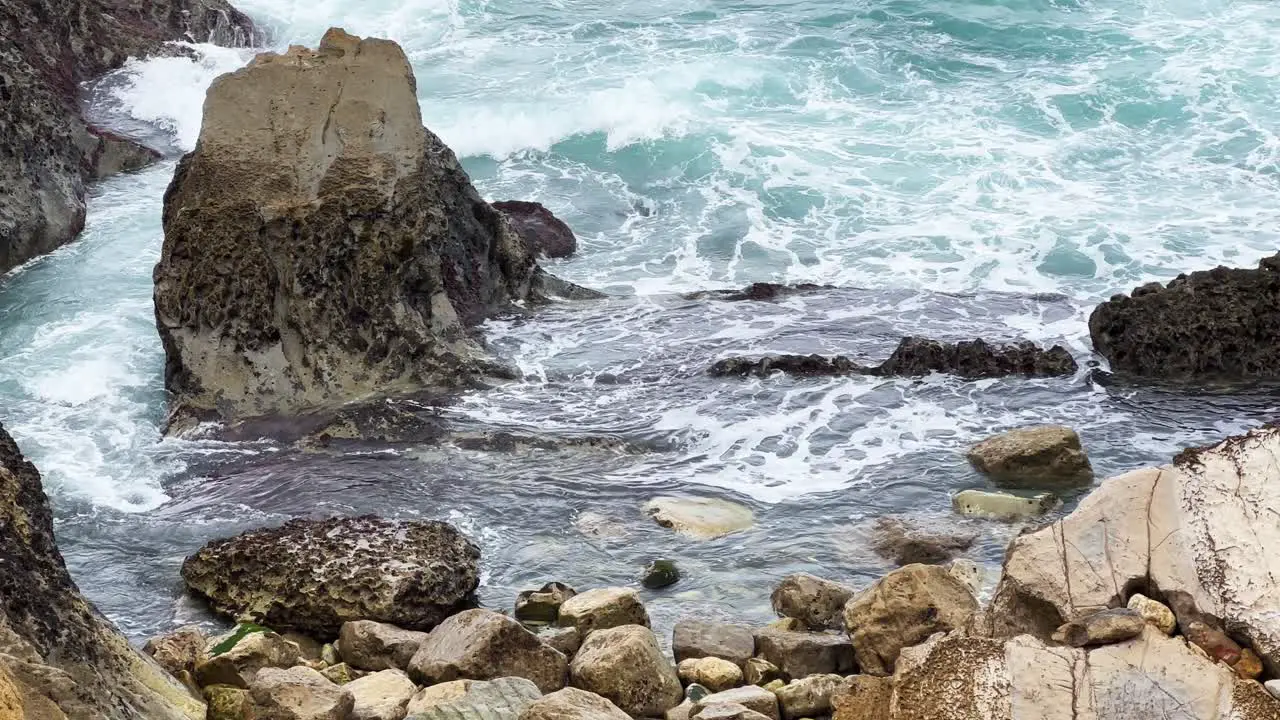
(758, 671)
(543, 605)
(224, 702)
(58, 654)
(816, 602)
(698, 638)
(541, 232)
(713, 673)
(701, 518)
(1043, 456)
(485, 645)
(1154, 612)
(383, 695)
(1152, 676)
(902, 609)
(809, 697)
(625, 665)
(298, 693)
(438, 694)
(970, 359)
(863, 697)
(234, 659)
(801, 654)
(603, 608)
(1102, 628)
(904, 543)
(1220, 323)
(728, 711)
(322, 247)
(370, 645)
(573, 704)
(566, 640)
(1003, 506)
(48, 153)
(1198, 530)
(312, 650)
(500, 699)
(179, 651)
(753, 698)
(969, 573)
(315, 575)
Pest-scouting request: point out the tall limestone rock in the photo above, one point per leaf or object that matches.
(322, 246)
(58, 656)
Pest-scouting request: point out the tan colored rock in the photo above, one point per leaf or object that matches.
(329, 654)
(809, 697)
(697, 638)
(179, 651)
(500, 699)
(700, 518)
(603, 608)
(433, 695)
(485, 645)
(339, 674)
(1048, 455)
(1002, 505)
(312, 651)
(1154, 612)
(714, 673)
(800, 654)
(11, 705)
(728, 711)
(625, 665)
(863, 697)
(227, 703)
(902, 609)
(758, 671)
(543, 605)
(1103, 628)
(816, 602)
(252, 652)
(573, 704)
(298, 693)
(754, 698)
(370, 645)
(383, 695)
(1200, 526)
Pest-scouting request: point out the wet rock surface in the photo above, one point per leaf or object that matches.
(1035, 457)
(905, 543)
(314, 575)
(542, 232)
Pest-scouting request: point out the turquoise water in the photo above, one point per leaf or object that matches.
(959, 168)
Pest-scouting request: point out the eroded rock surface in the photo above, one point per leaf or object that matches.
(542, 232)
(485, 645)
(1036, 457)
(315, 575)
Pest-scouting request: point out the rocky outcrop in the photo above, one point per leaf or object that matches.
(1042, 456)
(1153, 676)
(905, 542)
(540, 231)
(58, 656)
(322, 247)
(315, 575)
(1197, 533)
(1220, 323)
(969, 359)
(485, 645)
(47, 151)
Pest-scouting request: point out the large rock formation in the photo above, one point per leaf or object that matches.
(322, 246)
(315, 575)
(1219, 323)
(58, 656)
(1200, 532)
(47, 151)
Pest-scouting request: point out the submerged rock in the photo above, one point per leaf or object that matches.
(48, 153)
(969, 359)
(542, 232)
(1003, 506)
(761, 292)
(697, 639)
(659, 574)
(59, 657)
(1203, 527)
(1043, 456)
(906, 543)
(701, 518)
(315, 575)
(1220, 323)
(321, 246)
(814, 601)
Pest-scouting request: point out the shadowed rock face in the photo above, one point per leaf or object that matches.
(322, 246)
(970, 359)
(55, 649)
(47, 152)
(1221, 323)
(542, 232)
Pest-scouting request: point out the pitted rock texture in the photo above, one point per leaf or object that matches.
(969, 359)
(322, 247)
(47, 152)
(314, 575)
(58, 655)
(1220, 323)
(1200, 531)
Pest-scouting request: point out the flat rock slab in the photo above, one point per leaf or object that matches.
(501, 699)
(701, 518)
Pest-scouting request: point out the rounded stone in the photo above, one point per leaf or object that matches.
(700, 518)
(660, 574)
(1154, 612)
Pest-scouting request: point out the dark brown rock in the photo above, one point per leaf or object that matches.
(760, 292)
(905, 543)
(542, 233)
(1220, 323)
(315, 575)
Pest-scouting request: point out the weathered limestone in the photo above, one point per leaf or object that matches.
(1200, 527)
(809, 697)
(323, 247)
(714, 673)
(298, 693)
(1037, 457)
(904, 542)
(816, 602)
(543, 605)
(573, 704)
(751, 697)
(800, 654)
(603, 608)
(485, 645)
(370, 645)
(697, 639)
(902, 609)
(500, 699)
(236, 658)
(701, 518)
(438, 694)
(179, 651)
(314, 575)
(625, 665)
(383, 695)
